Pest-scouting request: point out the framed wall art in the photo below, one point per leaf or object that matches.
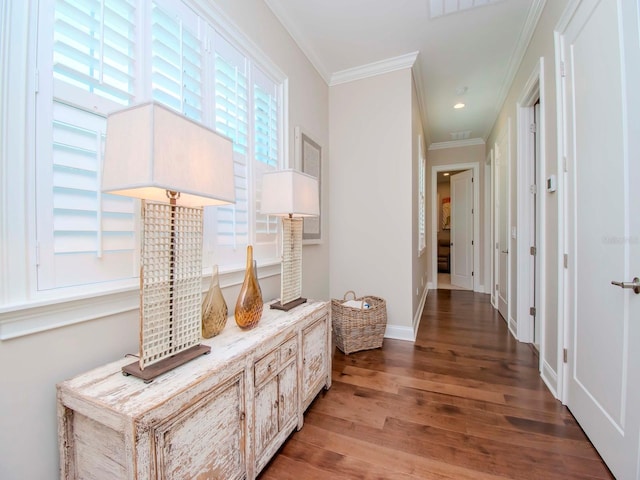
(308, 155)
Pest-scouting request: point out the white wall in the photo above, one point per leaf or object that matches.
(371, 193)
(30, 366)
(542, 45)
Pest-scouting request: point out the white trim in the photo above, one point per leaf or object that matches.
(418, 314)
(216, 18)
(532, 91)
(562, 332)
(488, 225)
(290, 26)
(34, 317)
(399, 333)
(476, 219)
(456, 143)
(506, 133)
(372, 69)
(533, 16)
(17, 87)
(549, 377)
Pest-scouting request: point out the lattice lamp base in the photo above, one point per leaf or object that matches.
(291, 275)
(170, 289)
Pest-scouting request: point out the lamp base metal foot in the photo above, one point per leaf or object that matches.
(289, 305)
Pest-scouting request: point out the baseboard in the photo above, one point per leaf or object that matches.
(513, 327)
(397, 332)
(550, 378)
(418, 313)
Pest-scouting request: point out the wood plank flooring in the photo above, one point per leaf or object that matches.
(464, 402)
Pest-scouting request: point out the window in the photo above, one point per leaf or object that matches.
(107, 54)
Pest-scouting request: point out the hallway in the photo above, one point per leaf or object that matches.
(464, 402)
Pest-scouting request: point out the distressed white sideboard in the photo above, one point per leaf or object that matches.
(220, 416)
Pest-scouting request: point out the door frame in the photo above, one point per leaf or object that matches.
(527, 286)
(435, 169)
(506, 135)
(488, 226)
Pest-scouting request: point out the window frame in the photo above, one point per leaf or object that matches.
(24, 310)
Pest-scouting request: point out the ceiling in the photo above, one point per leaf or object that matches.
(464, 51)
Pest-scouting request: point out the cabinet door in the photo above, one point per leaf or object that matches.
(266, 413)
(205, 439)
(288, 387)
(314, 359)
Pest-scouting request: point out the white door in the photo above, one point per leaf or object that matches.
(502, 224)
(602, 122)
(462, 229)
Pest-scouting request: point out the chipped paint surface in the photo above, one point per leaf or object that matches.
(222, 415)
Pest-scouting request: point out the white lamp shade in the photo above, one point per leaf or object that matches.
(151, 149)
(290, 192)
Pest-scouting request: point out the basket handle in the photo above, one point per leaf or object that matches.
(344, 297)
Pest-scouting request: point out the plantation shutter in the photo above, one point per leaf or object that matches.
(422, 167)
(84, 237)
(93, 47)
(265, 106)
(177, 63)
(232, 120)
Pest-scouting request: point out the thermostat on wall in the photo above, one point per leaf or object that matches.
(551, 184)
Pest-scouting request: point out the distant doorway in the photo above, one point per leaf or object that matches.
(452, 267)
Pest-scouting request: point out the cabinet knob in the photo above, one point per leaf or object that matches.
(242, 416)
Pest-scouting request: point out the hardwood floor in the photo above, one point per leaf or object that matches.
(464, 402)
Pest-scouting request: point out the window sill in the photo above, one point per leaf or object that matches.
(39, 316)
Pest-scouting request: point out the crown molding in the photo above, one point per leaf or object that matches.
(298, 38)
(372, 69)
(457, 143)
(533, 16)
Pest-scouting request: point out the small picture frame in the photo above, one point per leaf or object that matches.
(308, 158)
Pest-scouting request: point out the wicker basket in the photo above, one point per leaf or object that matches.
(356, 329)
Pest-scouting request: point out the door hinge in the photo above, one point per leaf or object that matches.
(533, 251)
(472, 274)
(565, 355)
(563, 72)
(471, 242)
(496, 287)
(533, 128)
(532, 311)
(566, 260)
(533, 189)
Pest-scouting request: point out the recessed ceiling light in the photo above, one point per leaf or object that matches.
(458, 105)
(446, 174)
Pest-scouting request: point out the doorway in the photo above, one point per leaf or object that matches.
(438, 241)
(530, 214)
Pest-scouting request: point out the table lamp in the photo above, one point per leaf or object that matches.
(292, 195)
(176, 166)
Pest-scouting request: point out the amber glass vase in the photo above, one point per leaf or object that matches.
(214, 308)
(249, 304)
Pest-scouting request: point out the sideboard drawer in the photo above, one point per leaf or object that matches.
(266, 366)
(288, 350)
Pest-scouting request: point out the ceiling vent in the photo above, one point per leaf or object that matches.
(460, 135)
(439, 8)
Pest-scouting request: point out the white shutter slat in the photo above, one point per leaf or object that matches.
(85, 224)
(177, 63)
